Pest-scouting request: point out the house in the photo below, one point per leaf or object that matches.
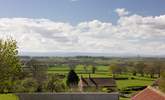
(97, 84)
(149, 93)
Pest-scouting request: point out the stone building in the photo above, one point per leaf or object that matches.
(97, 84)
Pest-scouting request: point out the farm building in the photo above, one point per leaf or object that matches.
(149, 93)
(97, 84)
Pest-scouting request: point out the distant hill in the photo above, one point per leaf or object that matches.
(70, 54)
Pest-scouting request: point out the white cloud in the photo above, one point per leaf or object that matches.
(132, 34)
(121, 11)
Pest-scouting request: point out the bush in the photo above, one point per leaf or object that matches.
(6, 87)
(54, 84)
(26, 85)
(134, 88)
(121, 78)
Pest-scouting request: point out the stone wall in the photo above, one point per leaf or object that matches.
(68, 96)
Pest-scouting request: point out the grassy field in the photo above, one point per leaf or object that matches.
(127, 83)
(8, 97)
(103, 71)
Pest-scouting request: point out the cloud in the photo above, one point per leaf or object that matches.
(132, 34)
(121, 11)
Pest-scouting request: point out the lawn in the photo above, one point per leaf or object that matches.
(126, 83)
(8, 97)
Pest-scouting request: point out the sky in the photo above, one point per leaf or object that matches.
(103, 26)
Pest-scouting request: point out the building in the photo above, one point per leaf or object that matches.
(149, 93)
(97, 84)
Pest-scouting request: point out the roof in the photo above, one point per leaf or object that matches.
(149, 93)
(106, 82)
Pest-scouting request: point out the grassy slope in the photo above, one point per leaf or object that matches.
(8, 97)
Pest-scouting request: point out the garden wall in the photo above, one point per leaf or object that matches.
(68, 96)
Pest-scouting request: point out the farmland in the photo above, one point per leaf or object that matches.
(125, 78)
(104, 71)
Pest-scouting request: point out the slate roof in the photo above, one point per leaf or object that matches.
(99, 82)
(149, 93)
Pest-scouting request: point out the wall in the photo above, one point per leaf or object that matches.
(68, 96)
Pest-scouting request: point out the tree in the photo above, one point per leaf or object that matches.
(131, 68)
(94, 69)
(159, 66)
(139, 67)
(10, 66)
(38, 72)
(72, 79)
(162, 82)
(54, 84)
(150, 69)
(115, 69)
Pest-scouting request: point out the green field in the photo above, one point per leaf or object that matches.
(8, 97)
(127, 83)
(103, 71)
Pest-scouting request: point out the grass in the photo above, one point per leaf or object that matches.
(126, 83)
(124, 98)
(102, 71)
(8, 97)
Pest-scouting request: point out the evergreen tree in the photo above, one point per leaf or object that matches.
(72, 78)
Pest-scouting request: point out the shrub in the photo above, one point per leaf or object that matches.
(54, 84)
(27, 85)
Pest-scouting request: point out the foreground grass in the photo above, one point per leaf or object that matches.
(124, 98)
(8, 97)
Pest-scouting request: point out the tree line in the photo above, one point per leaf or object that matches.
(152, 69)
